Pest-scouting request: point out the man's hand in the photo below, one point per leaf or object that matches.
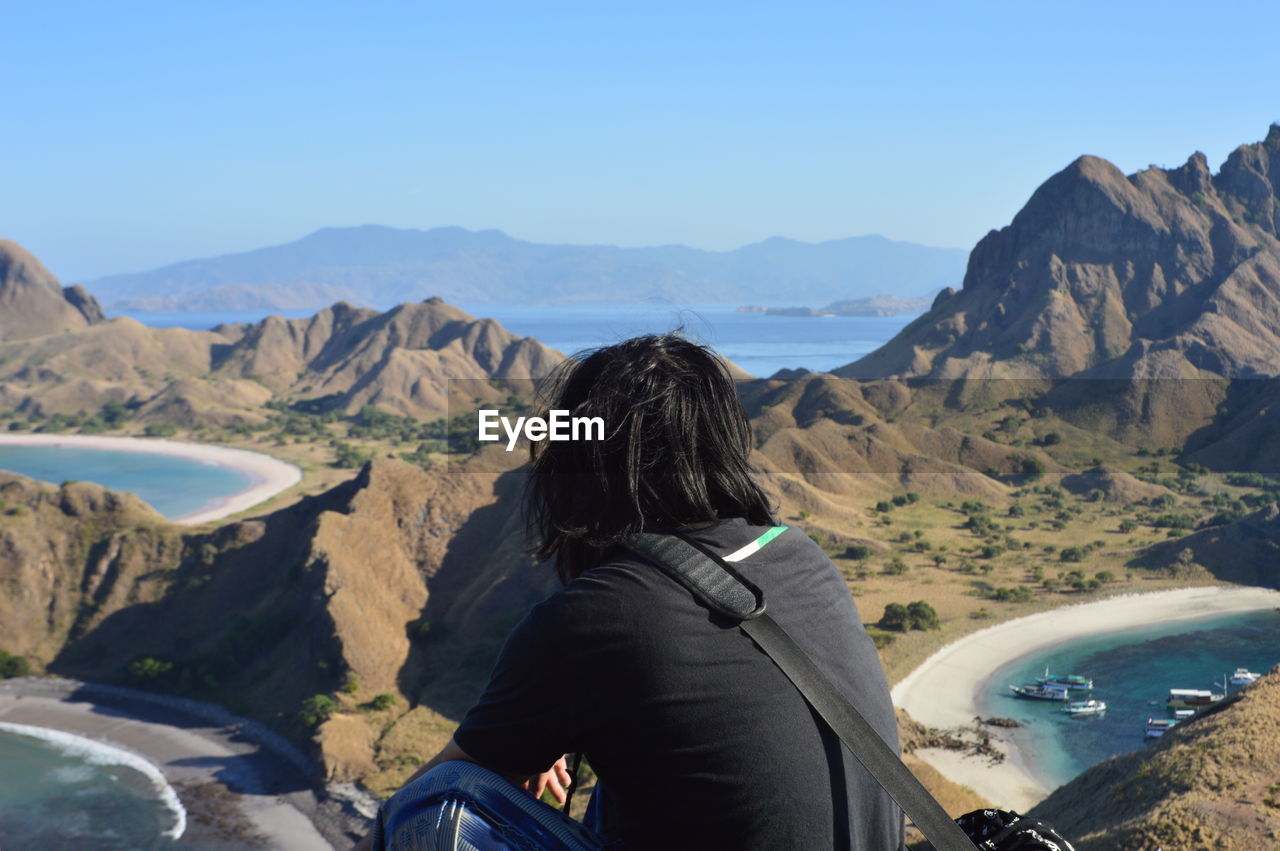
(556, 778)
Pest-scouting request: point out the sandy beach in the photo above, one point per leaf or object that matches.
(268, 476)
(944, 690)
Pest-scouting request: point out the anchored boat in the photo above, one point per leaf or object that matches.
(1070, 681)
(1192, 698)
(1041, 692)
(1086, 707)
(1157, 727)
(1243, 676)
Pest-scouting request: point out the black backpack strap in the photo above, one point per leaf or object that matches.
(712, 580)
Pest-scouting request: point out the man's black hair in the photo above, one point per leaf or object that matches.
(675, 450)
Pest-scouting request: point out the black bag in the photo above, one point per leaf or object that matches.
(713, 581)
(1002, 830)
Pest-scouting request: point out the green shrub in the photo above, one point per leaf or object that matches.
(383, 701)
(348, 456)
(146, 669)
(915, 615)
(897, 567)
(13, 666)
(1016, 594)
(316, 708)
(894, 617)
(160, 430)
(922, 616)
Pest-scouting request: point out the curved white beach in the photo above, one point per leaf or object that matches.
(269, 476)
(944, 690)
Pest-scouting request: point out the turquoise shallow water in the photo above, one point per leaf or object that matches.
(71, 798)
(1133, 671)
(172, 485)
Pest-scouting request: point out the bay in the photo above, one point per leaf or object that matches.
(171, 484)
(1133, 671)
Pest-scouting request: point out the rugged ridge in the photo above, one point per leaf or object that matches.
(1166, 273)
(344, 357)
(33, 303)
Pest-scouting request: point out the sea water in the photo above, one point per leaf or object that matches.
(1132, 671)
(171, 484)
(63, 791)
(759, 343)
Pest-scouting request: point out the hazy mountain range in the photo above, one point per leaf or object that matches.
(381, 266)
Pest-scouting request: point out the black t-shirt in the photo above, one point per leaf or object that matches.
(699, 740)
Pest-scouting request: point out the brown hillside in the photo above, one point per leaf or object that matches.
(1212, 782)
(33, 303)
(1246, 551)
(343, 357)
(400, 581)
(56, 555)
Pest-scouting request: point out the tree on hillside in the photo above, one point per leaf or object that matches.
(914, 615)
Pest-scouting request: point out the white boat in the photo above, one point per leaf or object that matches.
(1191, 698)
(1086, 707)
(1157, 727)
(1243, 676)
(1183, 714)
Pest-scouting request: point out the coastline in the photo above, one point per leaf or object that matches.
(198, 748)
(268, 476)
(944, 690)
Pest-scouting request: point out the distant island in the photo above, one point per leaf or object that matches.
(377, 266)
(880, 305)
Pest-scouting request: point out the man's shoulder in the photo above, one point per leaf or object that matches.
(616, 591)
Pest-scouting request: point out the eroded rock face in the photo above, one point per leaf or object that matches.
(1164, 273)
(33, 303)
(1201, 785)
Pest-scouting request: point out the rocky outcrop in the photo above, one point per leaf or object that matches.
(1167, 273)
(399, 360)
(343, 358)
(1208, 783)
(33, 303)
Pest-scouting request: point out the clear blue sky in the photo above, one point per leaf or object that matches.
(145, 133)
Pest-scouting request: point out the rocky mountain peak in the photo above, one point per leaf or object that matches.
(33, 303)
(1163, 272)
